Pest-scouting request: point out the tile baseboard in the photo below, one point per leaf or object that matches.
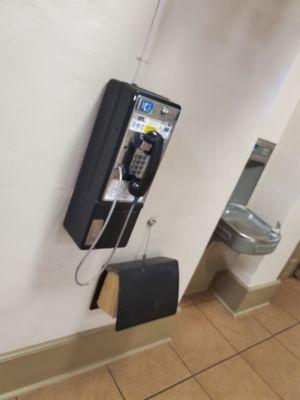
(239, 298)
(46, 363)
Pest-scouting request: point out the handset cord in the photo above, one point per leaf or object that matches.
(108, 218)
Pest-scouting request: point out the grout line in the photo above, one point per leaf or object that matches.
(290, 351)
(287, 311)
(217, 329)
(196, 303)
(214, 365)
(291, 288)
(261, 377)
(178, 356)
(261, 324)
(203, 388)
(168, 388)
(283, 308)
(199, 302)
(115, 382)
(193, 375)
(272, 335)
(237, 354)
(190, 378)
(211, 366)
(282, 330)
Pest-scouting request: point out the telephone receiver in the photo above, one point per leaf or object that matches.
(142, 160)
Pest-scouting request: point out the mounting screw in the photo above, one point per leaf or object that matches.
(151, 221)
(164, 110)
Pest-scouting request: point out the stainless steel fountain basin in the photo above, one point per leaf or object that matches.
(245, 232)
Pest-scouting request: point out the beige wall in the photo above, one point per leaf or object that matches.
(213, 260)
(284, 104)
(56, 57)
(222, 60)
(271, 267)
(276, 198)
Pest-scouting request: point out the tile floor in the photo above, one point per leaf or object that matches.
(212, 356)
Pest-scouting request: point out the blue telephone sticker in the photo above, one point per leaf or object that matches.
(146, 106)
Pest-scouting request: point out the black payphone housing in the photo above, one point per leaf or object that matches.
(132, 130)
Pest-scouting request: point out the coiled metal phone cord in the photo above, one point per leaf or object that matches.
(93, 245)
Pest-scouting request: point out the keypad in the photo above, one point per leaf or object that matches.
(138, 164)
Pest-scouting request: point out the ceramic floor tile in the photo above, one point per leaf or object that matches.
(197, 342)
(186, 301)
(278, 367)
(293, 284)
(242, 332)
(287, 299)
(274, 318)
(291, 340)
(188, 390)
(93, 385)
(201, 296)
(149, 372)
(234, 379)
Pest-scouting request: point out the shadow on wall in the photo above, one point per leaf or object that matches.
(214, 259)
(56, 246)
(292, 263)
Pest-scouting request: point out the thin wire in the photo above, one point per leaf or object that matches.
(147, 242)
(111, 210)
(144, 244)
(140, 58)
(93, 245)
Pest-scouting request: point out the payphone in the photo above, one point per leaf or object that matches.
(131, 133)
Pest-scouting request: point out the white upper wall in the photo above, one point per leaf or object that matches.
(271, 266)
(279, 186)
(284, 105)
(56, 57)
(276, 197)
(223, 61)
